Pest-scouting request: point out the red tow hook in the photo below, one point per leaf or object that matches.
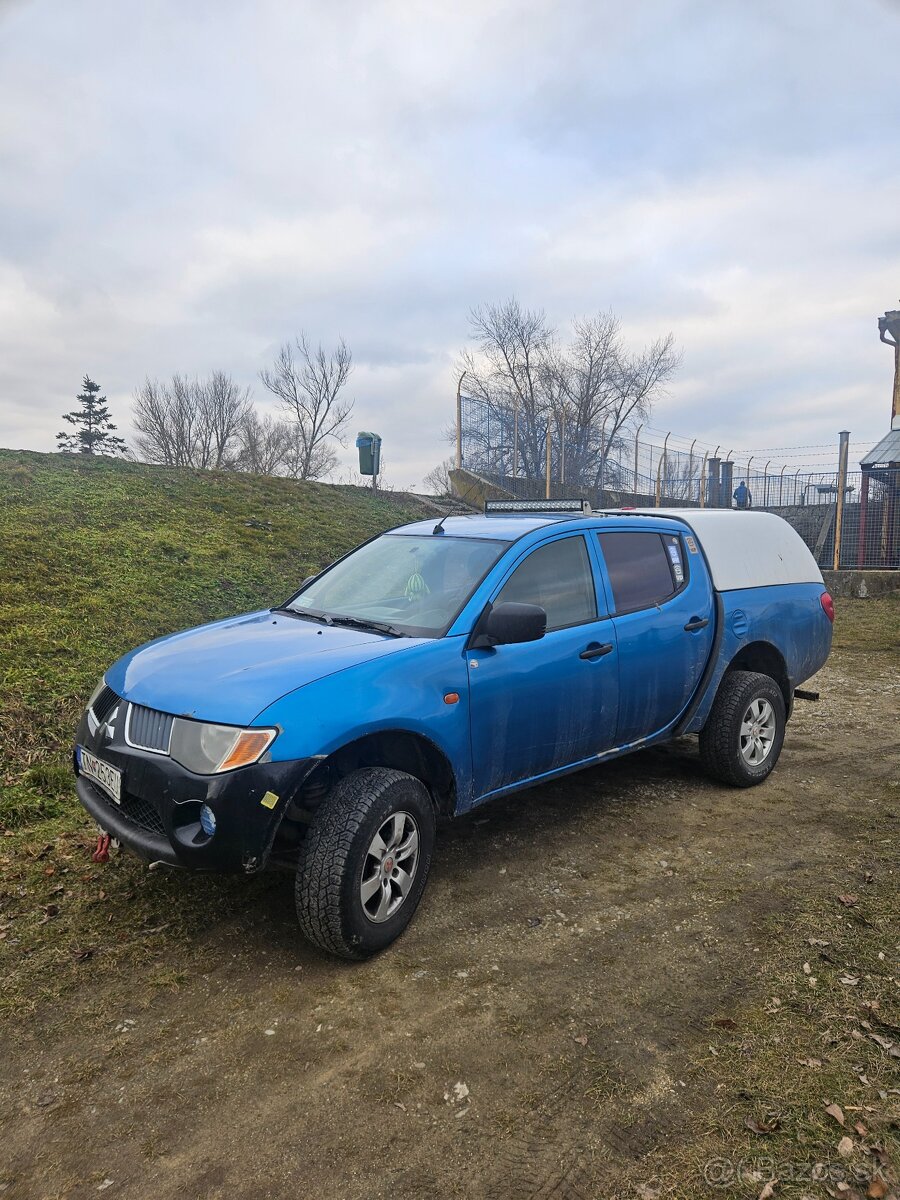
(101, 853)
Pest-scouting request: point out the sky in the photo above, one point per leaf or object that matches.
(183, 187)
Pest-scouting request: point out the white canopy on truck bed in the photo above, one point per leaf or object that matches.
(747, 549)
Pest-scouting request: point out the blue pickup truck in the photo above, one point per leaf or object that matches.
(438, 666)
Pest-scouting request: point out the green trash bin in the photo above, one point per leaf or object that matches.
(369, 447)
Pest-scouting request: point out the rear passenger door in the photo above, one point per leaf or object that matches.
(662, 604)
(538, 706)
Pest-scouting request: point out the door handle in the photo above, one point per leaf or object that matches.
(696, 623)
(597, 650)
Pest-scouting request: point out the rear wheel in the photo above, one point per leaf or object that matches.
(364, 862)
(744, 733)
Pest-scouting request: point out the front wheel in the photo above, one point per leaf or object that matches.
(364, 862)
(744, 733)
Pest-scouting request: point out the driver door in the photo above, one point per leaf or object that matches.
(539, 706)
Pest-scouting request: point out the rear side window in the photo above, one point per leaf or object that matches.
(557, 577)
(644, 568)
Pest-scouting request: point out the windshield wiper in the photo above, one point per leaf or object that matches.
(363, 623)
(305, 614)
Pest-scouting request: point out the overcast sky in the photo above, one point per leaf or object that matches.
(185, 185)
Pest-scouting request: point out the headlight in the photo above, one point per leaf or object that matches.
(208, 749)
(96, 692)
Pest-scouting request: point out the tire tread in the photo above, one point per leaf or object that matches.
(325, 854)
(719, 752)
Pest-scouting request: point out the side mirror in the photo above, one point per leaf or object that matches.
(505, 624)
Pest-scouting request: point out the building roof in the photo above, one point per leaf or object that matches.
(887, 451)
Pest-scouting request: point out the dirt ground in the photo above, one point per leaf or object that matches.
(613, 981)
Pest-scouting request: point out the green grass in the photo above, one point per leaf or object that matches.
(98, 556)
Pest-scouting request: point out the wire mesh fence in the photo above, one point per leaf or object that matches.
(517, 458)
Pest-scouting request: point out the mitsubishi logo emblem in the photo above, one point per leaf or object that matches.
(111, 723)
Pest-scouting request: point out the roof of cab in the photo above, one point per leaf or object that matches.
(479, 525)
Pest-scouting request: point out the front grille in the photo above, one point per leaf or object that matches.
(134, 809)
(149, 729)
(104, 704)
(142, 813)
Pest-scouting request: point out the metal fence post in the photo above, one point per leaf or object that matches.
(459, 421)
(547, 459)
(636, 436)
(843, 452)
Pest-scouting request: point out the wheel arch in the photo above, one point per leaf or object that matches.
(767, 659)
(402, 749)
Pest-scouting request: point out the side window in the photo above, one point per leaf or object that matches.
(557, 577)
(644, 568)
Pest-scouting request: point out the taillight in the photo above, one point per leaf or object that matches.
(827, 606)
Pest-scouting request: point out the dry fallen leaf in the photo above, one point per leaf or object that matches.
(835, 1110)
(845, 1147)
(725, 1023)
(581, 1040)
(847, 899)
(769, 1125)
(768, 1191)
(877, 1190)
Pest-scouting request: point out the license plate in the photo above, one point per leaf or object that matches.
(108, 776)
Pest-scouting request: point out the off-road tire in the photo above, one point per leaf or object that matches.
(720, 738)
(333, 856)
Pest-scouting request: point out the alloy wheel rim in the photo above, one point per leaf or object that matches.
(758, 727)
(390, 866)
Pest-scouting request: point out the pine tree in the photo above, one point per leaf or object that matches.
(93, 434)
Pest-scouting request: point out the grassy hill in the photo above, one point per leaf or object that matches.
(97, 556)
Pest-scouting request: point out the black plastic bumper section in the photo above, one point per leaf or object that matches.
(158, 817)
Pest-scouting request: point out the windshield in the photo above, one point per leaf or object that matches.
(416, 585)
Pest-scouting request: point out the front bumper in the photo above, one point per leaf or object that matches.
(159, 814)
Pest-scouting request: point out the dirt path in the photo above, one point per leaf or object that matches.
(544, 1028)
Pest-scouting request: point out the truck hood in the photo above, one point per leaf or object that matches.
(231, 670)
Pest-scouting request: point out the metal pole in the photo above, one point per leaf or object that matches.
(796, 474)
(459, 421)
(561, 422)
(516, 438)
(843, 451)
(636, 436)
(665, 458)
(703, 481)
(766, 484)
(547, 458)
(781, 485)
(863, 513)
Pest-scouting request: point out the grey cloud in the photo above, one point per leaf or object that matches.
(183, 187)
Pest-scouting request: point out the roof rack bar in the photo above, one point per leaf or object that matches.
(571, 505)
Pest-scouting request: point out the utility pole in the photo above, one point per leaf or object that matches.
(889, 325)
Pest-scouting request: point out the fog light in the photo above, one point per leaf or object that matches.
(207, 820)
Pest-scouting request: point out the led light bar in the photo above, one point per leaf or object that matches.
(577, 505)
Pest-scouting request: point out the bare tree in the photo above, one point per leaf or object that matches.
(308, 383)
(223, 407)
(265, 444)
(437, 481)
(588, 391)
(190, 422)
